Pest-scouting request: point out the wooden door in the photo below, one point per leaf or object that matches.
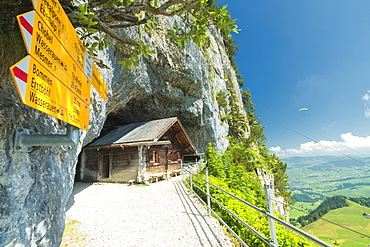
(105, 166)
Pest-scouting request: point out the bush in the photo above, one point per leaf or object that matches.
(234, 171)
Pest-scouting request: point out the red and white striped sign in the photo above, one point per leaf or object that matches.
(20, 74)
(57, 75)
(26, 25)
(42, 90)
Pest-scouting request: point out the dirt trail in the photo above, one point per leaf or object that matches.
(161, 214)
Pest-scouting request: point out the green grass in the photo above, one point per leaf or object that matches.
(350, 217)
(72, 237)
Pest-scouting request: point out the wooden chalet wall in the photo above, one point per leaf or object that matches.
(165, 157)
(122, 162)
(110, 164)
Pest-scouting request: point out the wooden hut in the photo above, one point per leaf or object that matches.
(137, 152)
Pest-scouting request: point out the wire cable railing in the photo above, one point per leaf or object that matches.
(328, 221)
(273, 242)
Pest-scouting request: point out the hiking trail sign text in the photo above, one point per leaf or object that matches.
(42, 90)
(57, 75)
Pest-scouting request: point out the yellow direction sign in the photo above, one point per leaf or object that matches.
(42, 90)
(98, 83)
(43, 45)
(54, 16)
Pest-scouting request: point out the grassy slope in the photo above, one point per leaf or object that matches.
(305, 206)
(350, 217)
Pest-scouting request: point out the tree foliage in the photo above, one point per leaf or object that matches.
(303, 198)
(363, 201)
(99, 19)
(330, 203)
(234, 171)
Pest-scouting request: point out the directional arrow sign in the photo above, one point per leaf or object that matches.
(42, 90)
(99, 84)
(54, 16)
(43, 45)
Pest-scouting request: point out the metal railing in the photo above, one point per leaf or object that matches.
(191, 172)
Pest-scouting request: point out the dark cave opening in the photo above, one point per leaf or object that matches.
(147, 109)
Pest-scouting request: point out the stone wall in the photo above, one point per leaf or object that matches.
(35, 186)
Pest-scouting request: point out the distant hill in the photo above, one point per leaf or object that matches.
(351, 217)
(325, 176)
(331, 203)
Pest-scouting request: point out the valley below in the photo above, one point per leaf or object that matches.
(325, 176)
(314, 179)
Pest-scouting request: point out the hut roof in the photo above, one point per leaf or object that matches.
(144, 132)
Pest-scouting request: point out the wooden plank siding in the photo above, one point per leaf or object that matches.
(136, 152)
(123, 166)
(125, 163)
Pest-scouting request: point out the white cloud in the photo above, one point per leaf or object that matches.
(366, 98)
(350, 145)
(276, 149)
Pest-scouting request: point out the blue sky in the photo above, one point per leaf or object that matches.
(307, 53)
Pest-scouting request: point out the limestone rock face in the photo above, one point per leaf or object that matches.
(278, 202)
(35, 186)
(174, 82)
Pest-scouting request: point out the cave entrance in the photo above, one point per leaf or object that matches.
(137, 152)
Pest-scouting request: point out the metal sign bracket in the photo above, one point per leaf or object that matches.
(25, 139)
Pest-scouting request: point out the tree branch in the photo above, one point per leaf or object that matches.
(107, 18)
(136, 8)
(106, 29)
(97, 3)
(99, 62)
(187, 6)
(203, 10)
(115, 14)
(126, 25)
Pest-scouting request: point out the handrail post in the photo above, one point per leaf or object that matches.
(208, 195)
(191, 179)
(271, 211)
(182, 170)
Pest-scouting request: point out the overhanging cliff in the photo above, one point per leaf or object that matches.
(35, 186)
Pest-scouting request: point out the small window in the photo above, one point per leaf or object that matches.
(174, 156)
(154, 157)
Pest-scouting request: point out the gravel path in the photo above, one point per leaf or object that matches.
(161, 214)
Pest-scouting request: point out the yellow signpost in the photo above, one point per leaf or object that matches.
(98, 83)
(43, 45)
(54, 16)
(42, 90)
(57, 75)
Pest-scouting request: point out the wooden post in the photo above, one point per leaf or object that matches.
(83, 164)
(140, 169)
